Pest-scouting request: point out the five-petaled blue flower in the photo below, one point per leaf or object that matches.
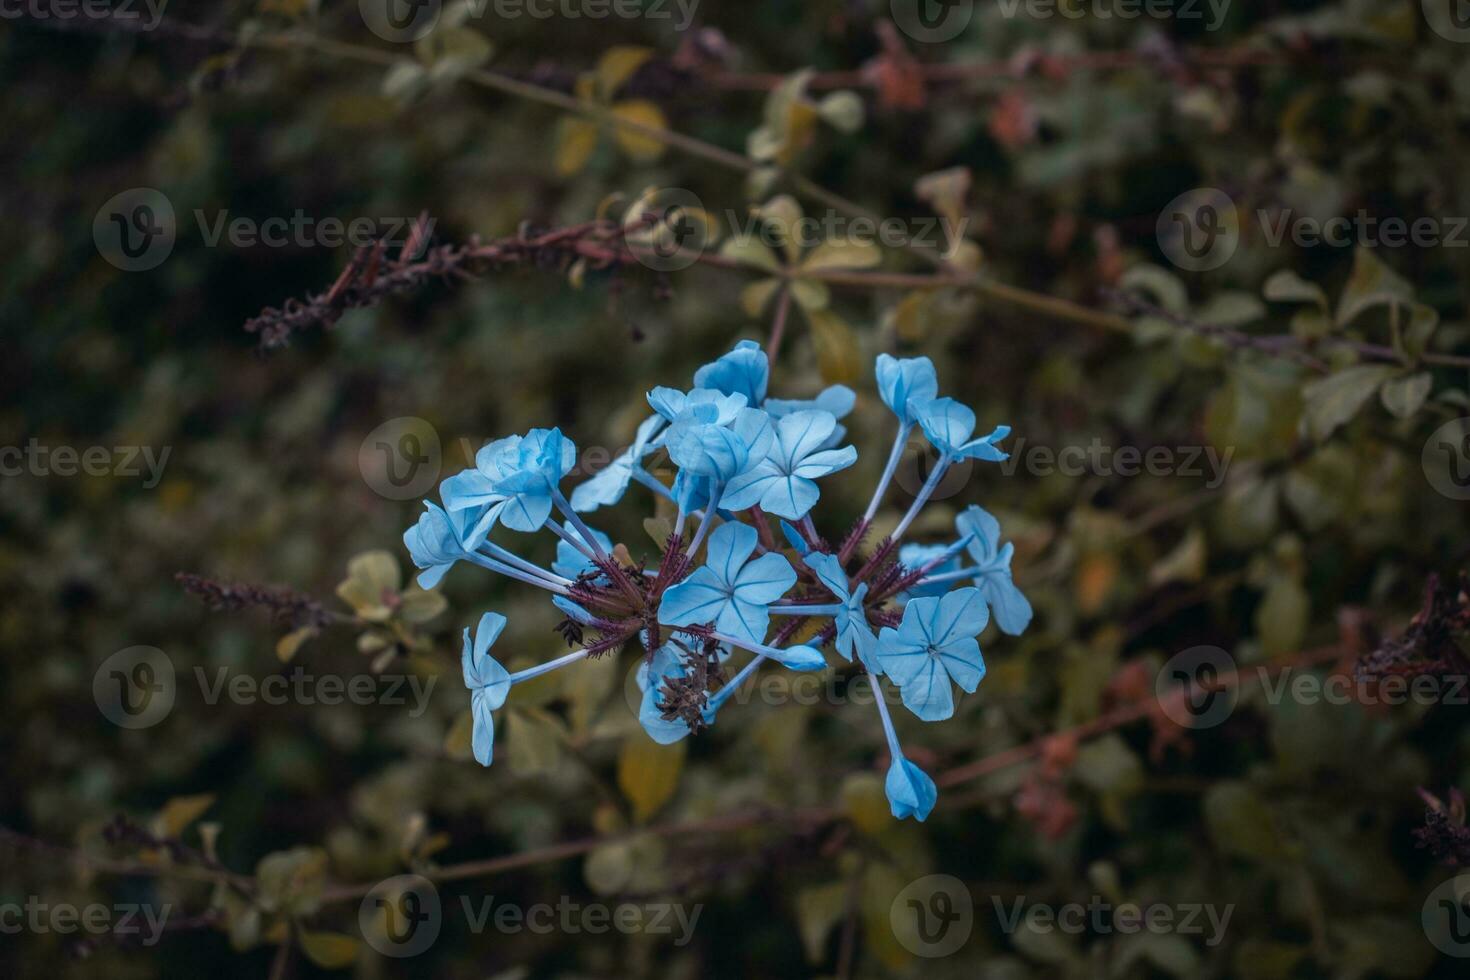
(949, 426)
(903, 381)
(730, 590)
(783, 482)
(489, 683)
(611, 482)
(1011, 609)
(853, 631)
(934, 643)
(434, 543)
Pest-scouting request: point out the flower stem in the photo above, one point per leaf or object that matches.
(578, 523)
(894, 457)
(548, 667)
(510, 571)
(930, 485)
(705, 523)
(888, 732)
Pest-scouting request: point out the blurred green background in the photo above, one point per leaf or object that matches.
(1298, 815)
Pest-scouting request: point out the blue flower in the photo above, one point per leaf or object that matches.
(571, 562)
(782, 483)
(911, 792)
(489, 683)
(744, 371)
(666, 663)
(915, 557)
(434, 543)
(903, 381)
(993, 570)
(716, 406)
(471, 495)
(608, 486)
(837, 399)
(730, 590)
(949, 426)
(533, 466)
(705, 441)
(853, 631)
(934, 644)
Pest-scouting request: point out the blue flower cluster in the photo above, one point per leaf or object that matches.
(910, 613)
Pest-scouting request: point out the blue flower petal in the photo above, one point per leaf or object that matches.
(911, 793)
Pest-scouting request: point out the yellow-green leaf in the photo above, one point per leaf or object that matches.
(844, 254)
(617, 65)
(648, 773)
(755, 297)
(288, 645)
(329, 950)
(837, 347)
(640, 147)
(575, 141)
(749, 251)
(181, 811)
(420, 605)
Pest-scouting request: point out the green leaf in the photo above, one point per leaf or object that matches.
(1242, 824)
(1167, 289)
(329, 950)
(1405, 395)
(841, 253)
(404, 81)
(1281, 618)
(291, 881)
(1288, 287)
(837, 347)
(452, 52)
(534, 742)
(1334, 400)
(843, 111)
(748, 250)
(639, 146)
(179, 813)
(1372, 284)
(818, 910)
(648, 773)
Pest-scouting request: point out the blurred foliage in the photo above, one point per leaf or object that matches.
(1323, 534)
